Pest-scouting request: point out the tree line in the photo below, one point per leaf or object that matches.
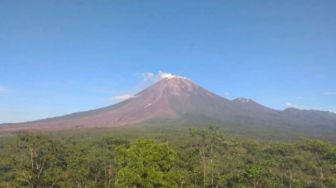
(205, 158)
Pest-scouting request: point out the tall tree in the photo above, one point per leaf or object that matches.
(39, 161)
(146, 164)
(205, 143)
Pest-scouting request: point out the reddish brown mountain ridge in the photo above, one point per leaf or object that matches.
(179, 99)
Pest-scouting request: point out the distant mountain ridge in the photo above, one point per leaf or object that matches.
(179, 99)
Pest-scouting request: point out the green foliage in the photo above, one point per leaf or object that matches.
(38, 161)
(205, 158)
(146, 164)
(93, 165)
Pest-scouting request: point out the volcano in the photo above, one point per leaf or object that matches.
(178, 99)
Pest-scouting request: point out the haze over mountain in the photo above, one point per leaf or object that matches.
(179, 100)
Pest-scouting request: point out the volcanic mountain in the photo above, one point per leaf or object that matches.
(178, 99)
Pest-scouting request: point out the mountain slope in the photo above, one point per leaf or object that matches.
(179, 99)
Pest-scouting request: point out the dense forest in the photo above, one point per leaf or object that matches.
(204, 157)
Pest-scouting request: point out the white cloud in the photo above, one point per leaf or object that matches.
(164, 75)
(154, 77)
(122, 97)
(330, 93)
(147, 76)
(292, 105)
(147, 79)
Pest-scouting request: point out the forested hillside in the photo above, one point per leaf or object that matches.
(204, 158)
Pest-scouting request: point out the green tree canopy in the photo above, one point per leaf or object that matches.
(146, 164)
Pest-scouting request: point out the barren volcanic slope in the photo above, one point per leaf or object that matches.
(179, 99)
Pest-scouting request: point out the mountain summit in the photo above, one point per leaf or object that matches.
(179, 99)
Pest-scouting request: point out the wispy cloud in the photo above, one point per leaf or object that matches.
(153, 77)
(163, 75)
(122, 97)
(292, 105)
(147, 79)
(330, 93)
(148, 76)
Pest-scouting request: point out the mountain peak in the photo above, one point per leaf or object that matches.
(177, 98)
(176, 85)
(169, 76)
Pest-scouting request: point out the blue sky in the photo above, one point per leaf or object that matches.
(64, 56)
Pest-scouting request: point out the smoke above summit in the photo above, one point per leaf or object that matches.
(151, 77)
(147, 79)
